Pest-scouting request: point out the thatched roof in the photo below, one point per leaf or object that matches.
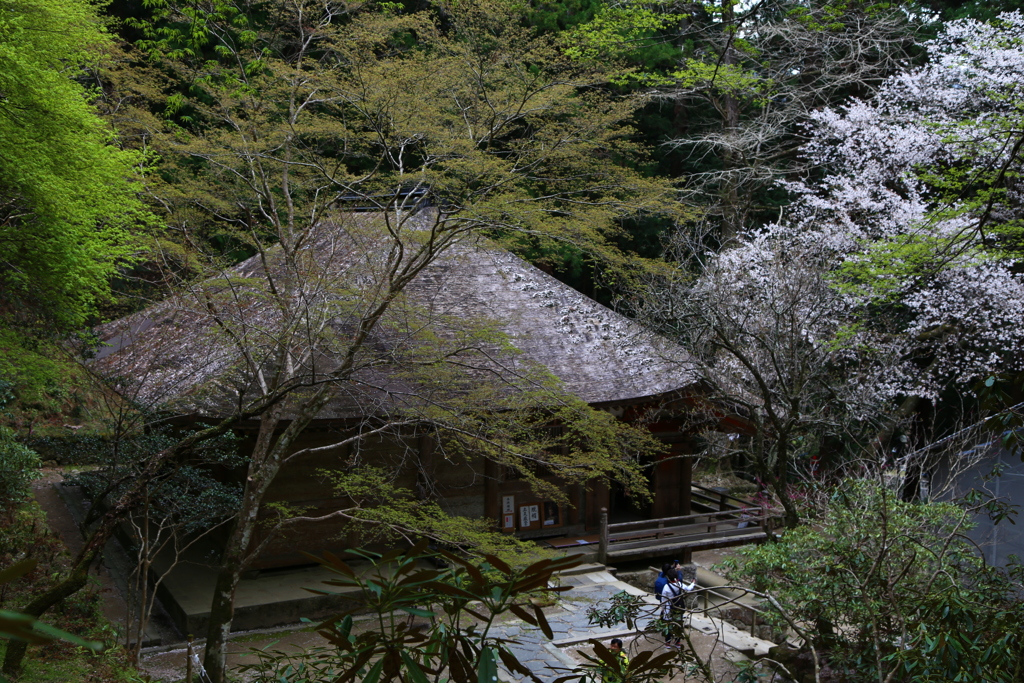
(178, 358)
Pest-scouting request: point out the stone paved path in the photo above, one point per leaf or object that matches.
(570, 627)
(545, 658)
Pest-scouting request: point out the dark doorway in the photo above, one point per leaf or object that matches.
(625, 508)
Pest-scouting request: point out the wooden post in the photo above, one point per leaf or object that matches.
(574, 515)
(602, 546)
(492, 502)
(685, 483)
(661, 525)
(753, 624)
(188, 660)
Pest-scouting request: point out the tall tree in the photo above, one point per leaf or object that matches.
(895, 276)
(776, 345)
(742, 82)
(67, 198)
(296, 106)
(920, 204)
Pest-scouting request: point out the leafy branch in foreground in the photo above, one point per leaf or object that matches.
(426, 624)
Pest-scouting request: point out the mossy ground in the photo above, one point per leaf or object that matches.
(76, 666)
(25, 534)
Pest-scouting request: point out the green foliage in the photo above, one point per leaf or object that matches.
(735, 82)
(383, 511)
(537, 430)
(504, 130)
(19, 465)
(888, 585)
(68, 202)
(625, 608)
(186, 496)
(965, 642)
(427, 624)
(620, 32)
(28, 369)
(640, 36)
(40, 381)
(999, 396)
(108, 666)
(644, 668)
(605, 665)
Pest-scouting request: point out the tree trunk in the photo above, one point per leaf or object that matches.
(781, 476)
(222, 609)
(263, 468)
(731, 215)
(69, 586)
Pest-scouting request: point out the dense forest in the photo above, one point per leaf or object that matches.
(819, 202)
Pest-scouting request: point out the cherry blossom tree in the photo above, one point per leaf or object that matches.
(778, 346)
(920, 203)
(892, 276)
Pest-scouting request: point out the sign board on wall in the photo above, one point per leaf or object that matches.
(508, 505)
(509, 522)
(534, 515)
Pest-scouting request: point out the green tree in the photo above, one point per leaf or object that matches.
(734, 83)
(19, 465)
(892, 590)
(69, 205)
(293, 107)
(68, 202)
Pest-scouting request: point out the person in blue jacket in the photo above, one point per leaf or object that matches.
(659, 583)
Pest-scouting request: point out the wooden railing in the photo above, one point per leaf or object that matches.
(727, 601)
(723, 500)
(698, 527)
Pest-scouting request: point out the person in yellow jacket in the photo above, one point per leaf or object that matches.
(609, 675)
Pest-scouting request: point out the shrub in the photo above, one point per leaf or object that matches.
(19, 465)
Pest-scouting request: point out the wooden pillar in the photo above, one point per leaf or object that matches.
(573, 515)
(425, 467)
(685, 481)
(663, 487)
(492, 506)
(602, 546)
(597, 497)
(671, 478)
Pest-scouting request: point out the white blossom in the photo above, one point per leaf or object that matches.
(961, 304)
